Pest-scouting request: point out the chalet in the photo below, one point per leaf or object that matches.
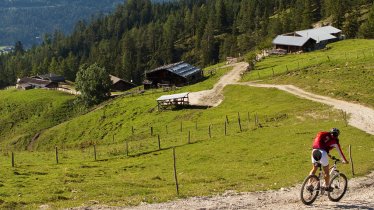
(178, 74)
(307, 40)
(31, 83)
(120, 84)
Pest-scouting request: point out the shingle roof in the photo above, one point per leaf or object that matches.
(181, 68)
(290, 40)
(320, 34)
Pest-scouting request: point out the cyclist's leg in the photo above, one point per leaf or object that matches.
(325, 165)
(314, 163)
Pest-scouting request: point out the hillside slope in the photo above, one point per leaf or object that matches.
(345, 70)
(24, 114)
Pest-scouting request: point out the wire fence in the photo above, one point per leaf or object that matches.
(143, 140)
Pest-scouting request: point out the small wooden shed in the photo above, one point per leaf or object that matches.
(120, 84)
(169, 101)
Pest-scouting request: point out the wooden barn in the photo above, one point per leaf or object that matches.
(120, 84)
(176, 74)
(307, 40)
(31, 83)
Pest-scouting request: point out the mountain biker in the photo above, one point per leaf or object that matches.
(323, 143)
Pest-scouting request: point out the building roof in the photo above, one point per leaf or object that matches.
(320, 34)
(181, 68)
(116, 79)
(290, 40)
(172, 97)
(52, 77)
(34, 81)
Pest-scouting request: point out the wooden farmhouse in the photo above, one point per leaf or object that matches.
(120, 84)
(31, 83)
(307, 40)
(176, 74)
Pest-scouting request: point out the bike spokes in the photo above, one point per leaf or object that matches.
(310, 189)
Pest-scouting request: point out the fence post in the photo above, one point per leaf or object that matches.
(273, 71)
(258, 72)
(181, 126)
(196, 125)
(287, 69)
(175, 172)
(166, 127)
(132, 130)
(151, 131)
(159, 142)
(12, 159)
(189, 137)
(240, 125)
(225, 128)
(56, 154)
(227, 120)
(350, 159)
(95, 151)
(210, 133)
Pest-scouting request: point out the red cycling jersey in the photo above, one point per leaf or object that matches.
(326, 141)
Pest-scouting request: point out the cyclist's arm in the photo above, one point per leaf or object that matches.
(337, 146)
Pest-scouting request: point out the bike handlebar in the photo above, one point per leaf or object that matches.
(336, 159)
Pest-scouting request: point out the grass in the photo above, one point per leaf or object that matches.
(26, 113)
(274, 156)
(344, 71)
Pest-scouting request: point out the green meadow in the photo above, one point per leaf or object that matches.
(217, 149)
(273, 155)
(345, 70)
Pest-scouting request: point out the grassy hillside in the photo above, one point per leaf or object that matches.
(26, 113)
(345, 71)
(275, 155)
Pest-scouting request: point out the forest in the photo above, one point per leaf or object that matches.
(141, 35)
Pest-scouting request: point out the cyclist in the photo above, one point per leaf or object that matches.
(323, 143)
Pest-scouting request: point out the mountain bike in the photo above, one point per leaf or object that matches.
(312, 186)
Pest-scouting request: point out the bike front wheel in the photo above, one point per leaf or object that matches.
(338, 184)
(310, 189)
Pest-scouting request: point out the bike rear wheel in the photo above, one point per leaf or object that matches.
(310, 189)
(339, 184)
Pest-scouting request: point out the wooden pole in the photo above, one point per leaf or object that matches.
(240, 125)
(159, 142)
(56, 154)
(181, 126)
(210, 133)
(95, 151)
(189, 137)
(196, 125)
(350, 159)
(225, 128)
(151, 131)
(227, 120)
(166, 127)
(273, 71)
(13, 159)
(175, 172)
(258, 75)
(132, 130)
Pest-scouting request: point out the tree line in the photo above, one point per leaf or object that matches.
(140, 35)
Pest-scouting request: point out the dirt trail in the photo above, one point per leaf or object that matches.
(360, 116)
(360, 195)
(214, 96)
